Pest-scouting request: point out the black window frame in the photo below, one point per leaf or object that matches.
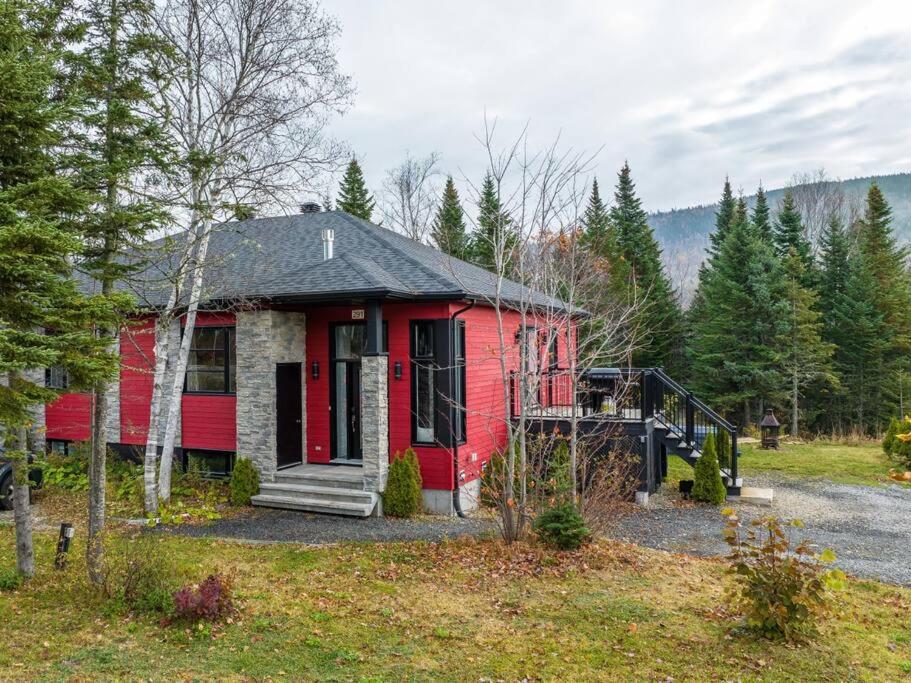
(422, 362)
(64, 382)
(49, 447)
(229, 457)
(460, 390)
(230, 335)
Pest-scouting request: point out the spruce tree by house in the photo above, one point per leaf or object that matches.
(886, 262)
(492, 244)
(658, 322)
(244, 483)
(735, 345)
(402, 497)
(119, 145)
(789, 234)
(597, 235)
(708, 487)
(761, 216)
(806, 359)
(46, 322)
(448, 232)
(353, 196)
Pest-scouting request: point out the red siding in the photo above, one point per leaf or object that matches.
(69, 417)
(209, 422)
(137, 369)
(486, 412)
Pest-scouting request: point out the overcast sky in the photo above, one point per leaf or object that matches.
(686, 91)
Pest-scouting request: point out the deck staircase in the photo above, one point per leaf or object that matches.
(329, 489)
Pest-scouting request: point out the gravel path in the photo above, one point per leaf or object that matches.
(264, 525)
(868, 527)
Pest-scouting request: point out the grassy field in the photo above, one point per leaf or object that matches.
(465, 610)
(845, 464)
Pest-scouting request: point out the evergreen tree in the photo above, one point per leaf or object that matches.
(495, 232)
(892, 294)
(834, 273)
(789, 234)
(761, 216)
(120, 143)
(46, 322)
(806, 358)
(723, 218)
(734, 350)
(658, 322)
(353, 196)
(448, 230)
(596, 220)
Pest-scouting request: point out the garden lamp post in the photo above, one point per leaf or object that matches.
(769, 428)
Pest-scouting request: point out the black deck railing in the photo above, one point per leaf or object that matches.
(634, 394)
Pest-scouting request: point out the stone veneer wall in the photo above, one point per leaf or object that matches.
(37, 432)
(264, 338)
(375, 421)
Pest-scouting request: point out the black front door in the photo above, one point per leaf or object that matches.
(289, 433)
(347, 348)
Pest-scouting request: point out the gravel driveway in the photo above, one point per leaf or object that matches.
(868, 527)
(265, 525)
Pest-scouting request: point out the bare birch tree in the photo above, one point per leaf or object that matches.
(410, 196)
(246, 102)
(539, 195)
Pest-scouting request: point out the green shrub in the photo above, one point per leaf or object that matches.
(139, 577)
(562, 527)
(68, 472)
(889, 438)
(10, 579)
(707, 485)
(402, 497)
(724, 449)
(244, 482)
(781, 589)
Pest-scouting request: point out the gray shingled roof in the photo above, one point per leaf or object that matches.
(281, 259)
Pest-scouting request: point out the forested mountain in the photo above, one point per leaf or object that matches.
(684, 233)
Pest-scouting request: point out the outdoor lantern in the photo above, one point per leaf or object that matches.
(398, 369)
(769, 428)
(314, 369)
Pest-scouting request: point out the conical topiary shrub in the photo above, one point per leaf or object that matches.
(402, 497)
(244, 482)
(708, 486)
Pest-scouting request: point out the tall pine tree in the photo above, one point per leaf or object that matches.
(658, 322)
(734, 349)
(120, 144)
(353, 196)
(761, 216)
(46, 322)
(448, 230)
(493, 242)
(724, 216)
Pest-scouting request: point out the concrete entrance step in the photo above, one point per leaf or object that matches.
(321, 504)
(318, 492)
(329, 476)
(754, 495)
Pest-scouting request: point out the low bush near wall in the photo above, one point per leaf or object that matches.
(781, 588)
(562, 527)
(244, 482)
(402, 497)
(708, 486)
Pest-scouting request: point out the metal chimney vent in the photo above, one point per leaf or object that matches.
(328, 239)
(310, 207)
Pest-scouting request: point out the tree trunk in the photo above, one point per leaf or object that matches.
(170, 434)
(150, 460)
(747, 415)
(94, 552)
(795, 398)
(22, 514)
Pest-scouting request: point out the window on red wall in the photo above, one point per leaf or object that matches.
(423, 372)
(211, 366)
(460, 389)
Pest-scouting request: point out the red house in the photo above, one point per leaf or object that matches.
(327, 345)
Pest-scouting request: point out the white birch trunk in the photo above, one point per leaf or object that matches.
(150, 460)
(170, 434)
